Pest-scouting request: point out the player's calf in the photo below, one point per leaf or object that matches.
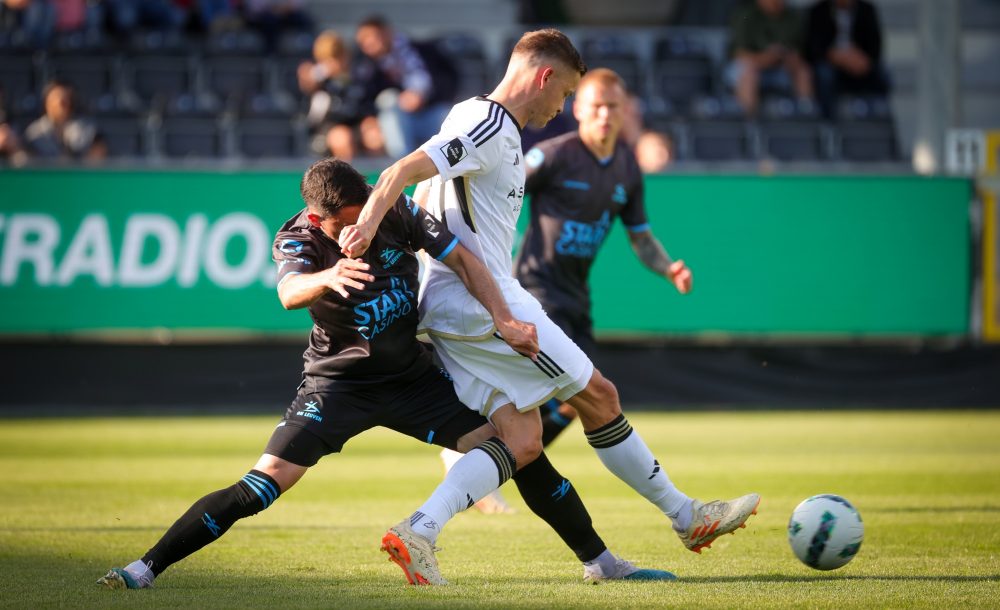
(203, 523)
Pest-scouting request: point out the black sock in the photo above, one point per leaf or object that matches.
(210, 517)
(553, 498)
(553, 423)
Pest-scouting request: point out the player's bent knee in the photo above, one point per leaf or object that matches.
(526, 450)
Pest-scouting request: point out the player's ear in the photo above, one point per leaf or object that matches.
(544, 76)
(314, 219)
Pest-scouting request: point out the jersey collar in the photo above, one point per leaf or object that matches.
(502, 107)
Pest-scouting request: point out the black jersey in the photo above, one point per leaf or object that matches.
(575, 198)
(369, 336)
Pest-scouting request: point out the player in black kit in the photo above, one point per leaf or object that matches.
(579, 183)
(365, 368)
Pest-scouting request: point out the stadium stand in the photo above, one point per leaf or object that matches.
(147, 90)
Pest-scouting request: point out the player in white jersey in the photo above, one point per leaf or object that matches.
(476, 181)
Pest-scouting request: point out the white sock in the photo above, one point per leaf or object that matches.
(606, 561)
(140, 571)
(625, 454)
(474, 475)
(450, 457)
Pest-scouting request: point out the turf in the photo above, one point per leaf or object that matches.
(82, 495)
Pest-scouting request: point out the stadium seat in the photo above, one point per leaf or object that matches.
(794, 141)
(268, 105)
(91, 76)
(681, 79)
(157, 77)
(719, 141)
(867, 141)
(161, 42)
(235, 43)
(267, 138)
(296, 45)
(124, 135)
(17, 76)
(618, 53)
(182, 137)
(469, 57)
(192, 105)
(234, 76)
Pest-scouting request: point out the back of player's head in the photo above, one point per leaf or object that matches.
(602, 76)
(548, 45)
(329, 45)
(330, 184)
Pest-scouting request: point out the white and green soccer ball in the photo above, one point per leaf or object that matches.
(825, 532)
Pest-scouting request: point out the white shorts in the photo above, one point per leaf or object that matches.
(489, 374)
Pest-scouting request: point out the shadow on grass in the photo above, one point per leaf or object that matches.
(780, 578)
(936, 509)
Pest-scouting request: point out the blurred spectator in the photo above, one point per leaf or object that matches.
(10, 145)
(631, 120)
(844, 46)
(766, 37)
(125, 16)
(654, 151)
(76, 16)
(542, 12)
(272, 17)
(215, 15)
(60, 134)
(341, 109)
(31, 19)
(416, 84)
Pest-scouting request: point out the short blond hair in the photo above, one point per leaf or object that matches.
(329, 45)
(602, 76)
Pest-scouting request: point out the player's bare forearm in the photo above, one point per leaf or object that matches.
(654, 256)
(651, 252)
(521, 336)
(411, 169)
(304, 289)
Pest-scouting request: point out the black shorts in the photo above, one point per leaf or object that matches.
(326, 414)
(578, 326)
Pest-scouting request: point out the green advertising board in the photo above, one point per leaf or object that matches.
(188, 253)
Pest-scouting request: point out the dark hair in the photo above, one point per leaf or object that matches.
(54, 84)
(330, 184)
(374, 21)
(550, 44)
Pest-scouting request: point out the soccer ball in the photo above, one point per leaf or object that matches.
(825, 532)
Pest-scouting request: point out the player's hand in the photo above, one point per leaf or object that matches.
(347, 273)
(681, 277)
(522, 337)
(355, 239)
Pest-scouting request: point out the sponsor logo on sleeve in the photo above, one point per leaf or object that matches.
(454, 152)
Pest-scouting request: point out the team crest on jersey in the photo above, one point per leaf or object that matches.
(620, 196)
(534, 158)
(389, 256)
(454, 151)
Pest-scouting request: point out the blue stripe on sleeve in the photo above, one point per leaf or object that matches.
(447, 250)
(638, 228)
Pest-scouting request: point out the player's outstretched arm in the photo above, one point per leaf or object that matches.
(304, 289)
(521, 336)
(654, 256)
(411, 169)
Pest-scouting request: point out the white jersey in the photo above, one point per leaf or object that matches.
(478, 195)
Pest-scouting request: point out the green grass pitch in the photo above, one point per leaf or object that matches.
(82, 495)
